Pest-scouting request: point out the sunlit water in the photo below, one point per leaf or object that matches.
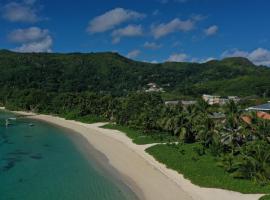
(42, 162)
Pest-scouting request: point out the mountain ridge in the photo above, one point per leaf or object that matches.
(109, 72)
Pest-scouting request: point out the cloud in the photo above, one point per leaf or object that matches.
(27, 35)
(175, 25)
(212, 30)
(202, 60)
(111, 19)
(181, 57)
(134, 54)
(259, 56)
(20, 12)
(32, 39)
(152, 45)
(234, 53)
(128, 31)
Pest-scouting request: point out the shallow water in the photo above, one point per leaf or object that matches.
(43, 162)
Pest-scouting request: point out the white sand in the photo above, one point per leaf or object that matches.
(153, 179)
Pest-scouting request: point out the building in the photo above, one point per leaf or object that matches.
(172, 102)
(217, 116)
(188, 103)
(236, 99)
(153, 87)
(263, 107)
(223, 101)
(210, 99)
(184, 103)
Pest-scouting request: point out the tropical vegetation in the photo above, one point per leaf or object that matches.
(228, 152)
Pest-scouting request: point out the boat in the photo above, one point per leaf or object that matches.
(12, 118)
(7, 123)
(30, 124)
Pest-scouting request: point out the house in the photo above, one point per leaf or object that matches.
(188, 103)
(263, 107)
(217, 116)
(172, 102)
(223, 101)
(184, 103)
(210, 99)
(236, 99)
(153, 87)
(260, 114)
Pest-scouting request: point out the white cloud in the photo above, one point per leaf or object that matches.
(181, 57)
(258, 56)
(134, 54)
(175, 25)
(152, 45)
(128, 31)
(32, 39)
(212, 30)
(111, 19)
(198, 17)
(154, 62)
(28, 35)
(20, 12)
(39, 46)
(207, 59)
(234, 53)
(202, 60)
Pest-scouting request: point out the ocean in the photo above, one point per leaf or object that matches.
(40, 161)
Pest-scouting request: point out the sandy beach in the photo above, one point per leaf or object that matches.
(148, 178)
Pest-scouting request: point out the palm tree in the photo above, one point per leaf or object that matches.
(254, 162)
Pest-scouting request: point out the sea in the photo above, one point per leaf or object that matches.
(41, 161)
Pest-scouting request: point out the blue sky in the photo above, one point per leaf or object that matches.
(146, 30)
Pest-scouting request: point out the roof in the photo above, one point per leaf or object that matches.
(261, 115)
(188, 102)
(172, 102)
(263, 107)
(216, 115)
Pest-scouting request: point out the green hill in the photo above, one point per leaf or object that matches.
(111, 73)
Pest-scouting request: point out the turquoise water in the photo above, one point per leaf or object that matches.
(42, 162)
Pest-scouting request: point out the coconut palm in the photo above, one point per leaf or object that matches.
(254, 162)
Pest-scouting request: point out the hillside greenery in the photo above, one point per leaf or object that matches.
(111, 73)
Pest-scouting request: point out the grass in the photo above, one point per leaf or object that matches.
(266, 197)
(89, 119)
(202, 170)
(138, 137)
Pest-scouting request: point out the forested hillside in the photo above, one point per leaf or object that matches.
(111, 73)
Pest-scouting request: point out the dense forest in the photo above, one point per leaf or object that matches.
(113, 74)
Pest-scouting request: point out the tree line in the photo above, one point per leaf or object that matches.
(242, 148)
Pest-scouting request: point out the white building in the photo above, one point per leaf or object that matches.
(211, 100)
(153, 87)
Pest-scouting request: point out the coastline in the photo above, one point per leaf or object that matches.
(148, 178)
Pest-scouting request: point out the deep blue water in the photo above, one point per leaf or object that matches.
(42, 162)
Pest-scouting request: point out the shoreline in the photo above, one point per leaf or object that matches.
(146, 177)
(101, 164)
